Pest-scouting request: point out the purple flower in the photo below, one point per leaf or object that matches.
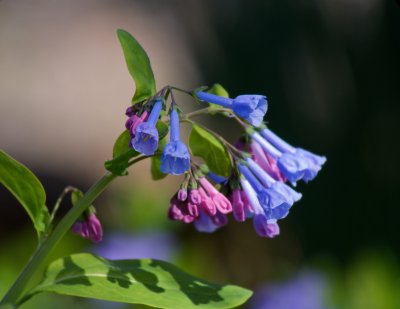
(307, 290)
(262, 226)
(276, 198)
(250, 107)
(90, 228)
(295, 163)
(209, 224)
(146, 134)
(265, 227)
(175, 158)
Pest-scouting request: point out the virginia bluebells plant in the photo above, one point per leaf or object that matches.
(262, 164)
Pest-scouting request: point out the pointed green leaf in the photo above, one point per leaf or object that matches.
(122, 153)
(207, 146)
(149, 282)
(26, 188)
(138, 66)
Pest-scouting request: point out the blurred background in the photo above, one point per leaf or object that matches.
(330, 70)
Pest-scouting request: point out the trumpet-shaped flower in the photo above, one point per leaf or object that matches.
(263, 226)
(250, 107)
(146, 134)
(295, 163)
(266, 161)
(276, 198)
(175, 158)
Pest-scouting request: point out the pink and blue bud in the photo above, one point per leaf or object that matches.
(146, 134)
(250, 107)
(175, 158)
(89, 228)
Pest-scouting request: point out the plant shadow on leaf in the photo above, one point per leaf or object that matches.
(72, 274)
(148, 279)
(145, 281)
(197, 290)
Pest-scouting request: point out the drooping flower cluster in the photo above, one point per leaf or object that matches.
(263, 166)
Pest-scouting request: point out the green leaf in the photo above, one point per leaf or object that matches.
(217, 89)
(156, 173)
(138, 66)
(149, 282)
(162, 129)
(26, 188)
(122, 153)
(207, 146)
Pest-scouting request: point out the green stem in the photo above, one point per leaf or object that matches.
(58, 202)
(45, 248)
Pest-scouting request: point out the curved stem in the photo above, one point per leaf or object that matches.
(59, 200)
(41, 254)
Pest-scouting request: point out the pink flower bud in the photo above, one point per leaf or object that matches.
(95, 229)
(238, 206)
(182, 195)
(207, 203)
(174, 211)
(192, 209)
(220, 201)
(194, 197)
(90, 229)
(188, 219)
(137, 121)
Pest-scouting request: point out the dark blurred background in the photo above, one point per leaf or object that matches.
(330, 70)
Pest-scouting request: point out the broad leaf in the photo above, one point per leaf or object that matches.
(217, 89)
(207, 146)
(122, 153)
(149, 282)
(156, 173)
(26, 188)
(138, 66)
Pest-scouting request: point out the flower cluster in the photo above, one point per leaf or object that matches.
(263, 166)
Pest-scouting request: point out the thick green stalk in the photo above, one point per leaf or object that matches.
(41, 254)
